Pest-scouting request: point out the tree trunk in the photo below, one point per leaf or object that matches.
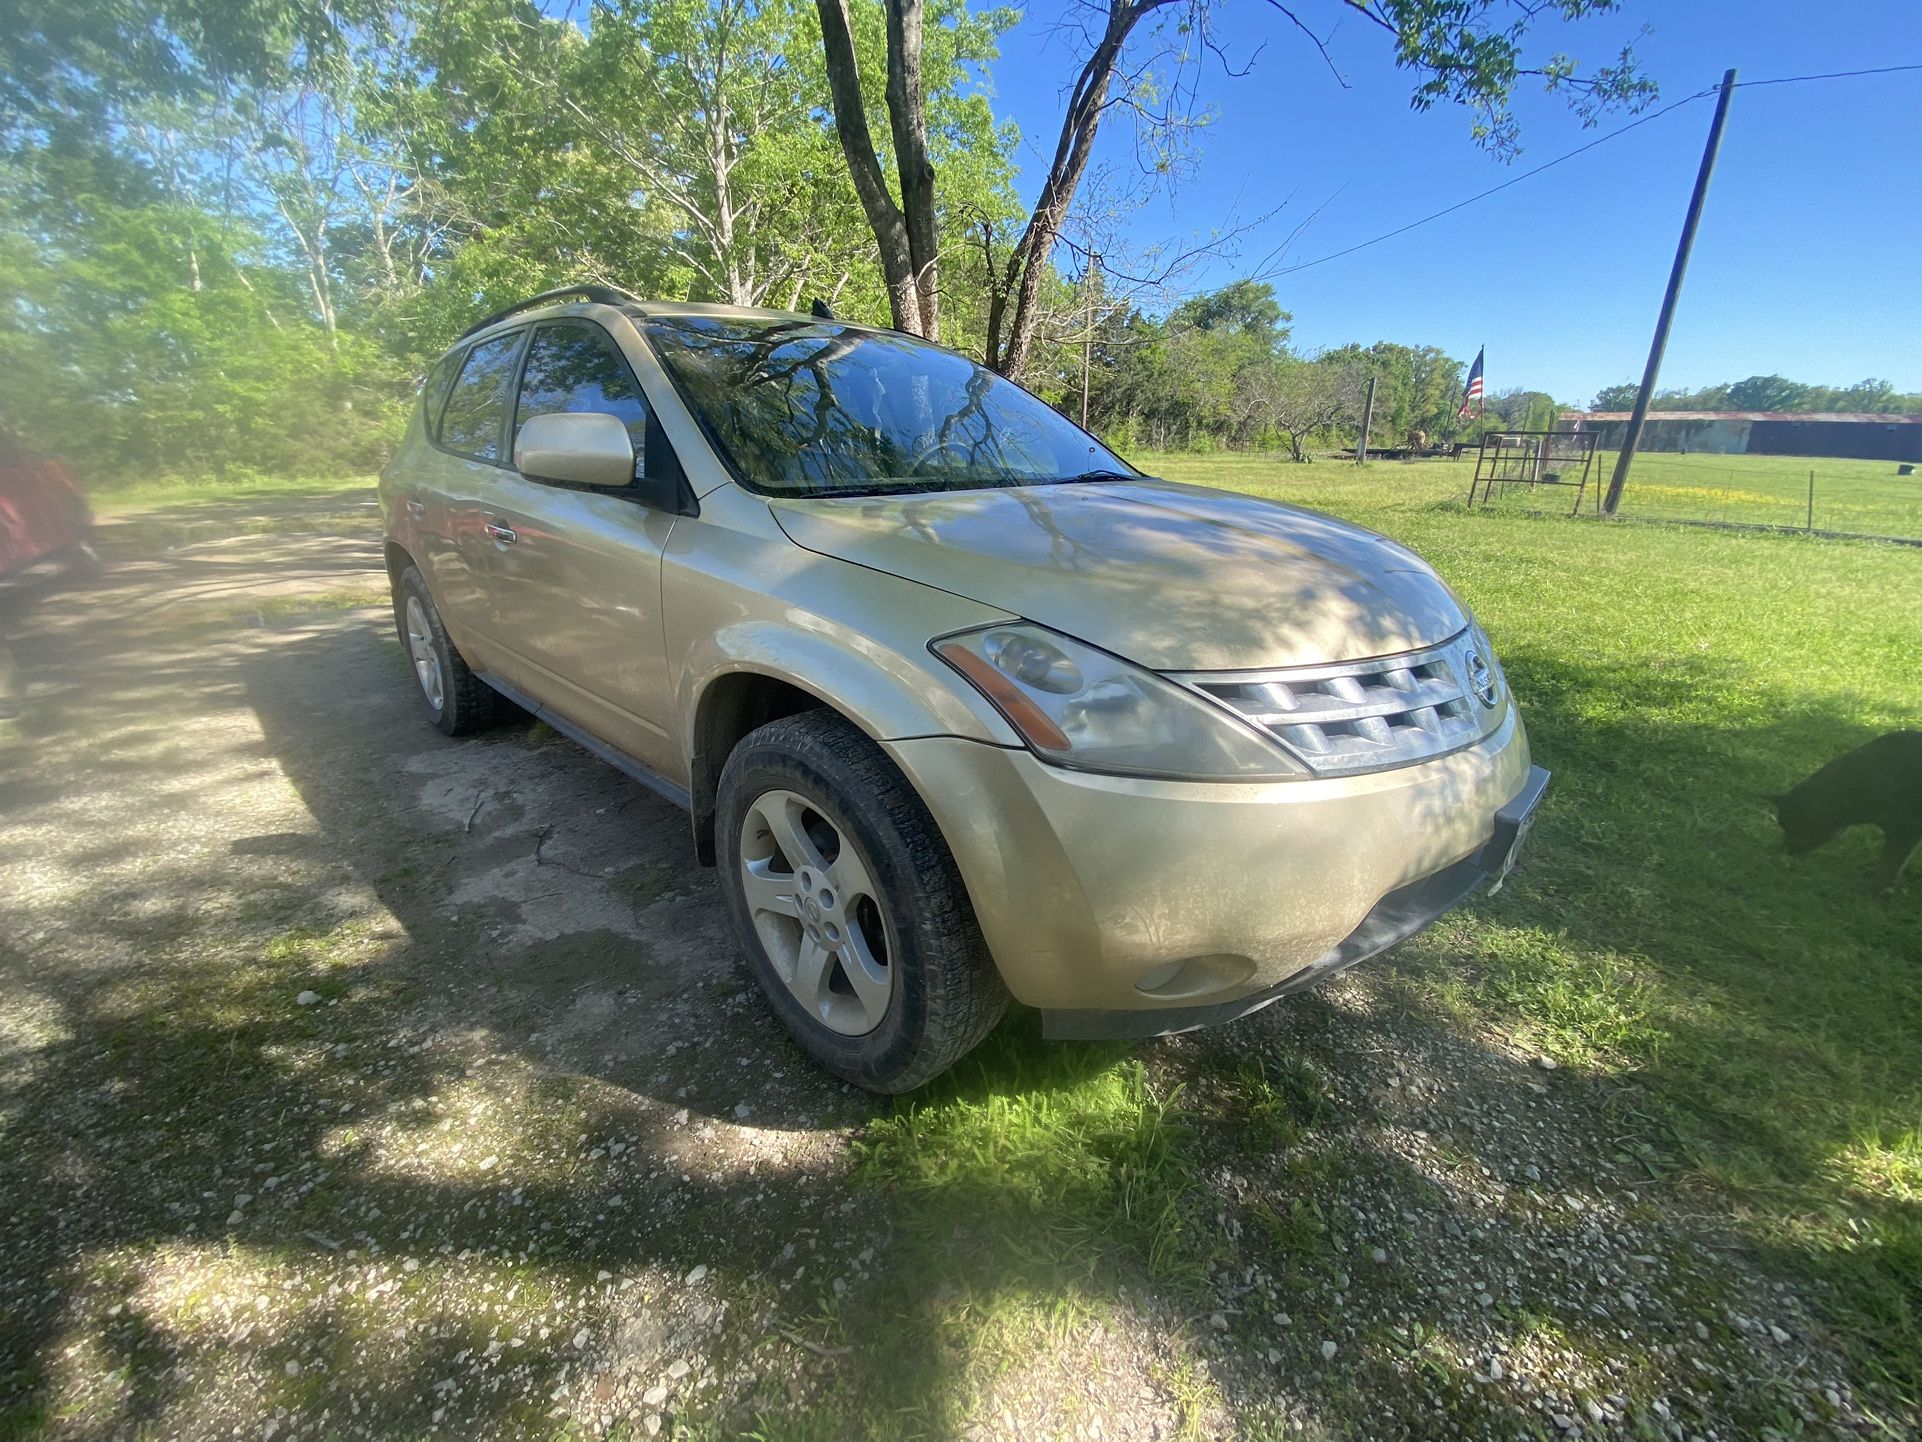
(906, 235)
(851, 125)
(908, 119)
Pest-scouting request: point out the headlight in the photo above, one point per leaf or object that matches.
(1078, 706)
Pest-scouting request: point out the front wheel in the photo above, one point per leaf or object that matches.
(848, 906)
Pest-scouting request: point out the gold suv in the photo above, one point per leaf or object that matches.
(961, 703)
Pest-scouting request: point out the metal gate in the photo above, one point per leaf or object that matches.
(1535, 458)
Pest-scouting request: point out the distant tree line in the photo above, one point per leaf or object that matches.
(1769, 393)
(1218, 371)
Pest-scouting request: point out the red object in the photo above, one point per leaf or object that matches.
(42, 512)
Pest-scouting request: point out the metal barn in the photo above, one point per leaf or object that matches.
(1762, 433)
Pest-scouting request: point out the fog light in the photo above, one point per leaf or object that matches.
(1194, 976)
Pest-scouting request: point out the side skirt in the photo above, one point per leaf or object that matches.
(618, 759)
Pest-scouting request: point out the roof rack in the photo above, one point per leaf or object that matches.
(599, 294)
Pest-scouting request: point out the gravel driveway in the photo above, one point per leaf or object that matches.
(358, 1082)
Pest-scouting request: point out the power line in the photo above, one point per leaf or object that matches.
(1265, 274)
(1831, 75)
(1492, 190)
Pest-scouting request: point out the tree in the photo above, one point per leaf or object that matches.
(157, 320)
(1232, 341)
(1305, 398)
(1417, 390)
(1243, 308)
(905, 232)
(706, 107)
(1872, 395)
(1767, 393)
(1615, 398)
(710, 108)
(149, 336)
(66, 62)
(1466, 52)
(678, 148)
(1516, 409)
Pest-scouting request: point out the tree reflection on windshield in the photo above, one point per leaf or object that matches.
(806, 407)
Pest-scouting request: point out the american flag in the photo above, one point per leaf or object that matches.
(1473, 390)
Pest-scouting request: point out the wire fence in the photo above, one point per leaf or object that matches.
(1820, 495)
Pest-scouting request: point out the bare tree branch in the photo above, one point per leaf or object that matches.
(1320, 44)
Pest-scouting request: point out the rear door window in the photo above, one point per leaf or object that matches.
(574, 366)
(476, 411)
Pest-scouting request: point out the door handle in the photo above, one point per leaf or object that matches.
(415, 508)
(503, 535)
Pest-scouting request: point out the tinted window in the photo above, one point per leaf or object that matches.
(477, 406)
(800, 407)
(433, 394)
(576, 367)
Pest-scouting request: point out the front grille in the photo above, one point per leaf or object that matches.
(1369, 715)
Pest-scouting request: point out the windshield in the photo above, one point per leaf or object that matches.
(816, 408)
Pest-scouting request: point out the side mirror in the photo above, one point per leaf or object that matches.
(584, 448)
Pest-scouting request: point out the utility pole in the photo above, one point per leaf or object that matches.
(1087, 333)
(1633, 437)
(1367, 419)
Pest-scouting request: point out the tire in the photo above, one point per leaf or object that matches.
(457, 701)
(815, 784)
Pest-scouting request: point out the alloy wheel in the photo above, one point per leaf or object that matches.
(420, 646)
(817, 911)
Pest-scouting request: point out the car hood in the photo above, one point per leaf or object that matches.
(1173, 577)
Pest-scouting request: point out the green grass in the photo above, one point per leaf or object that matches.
(273, 609)
(1851, 496)
(1078, 1167)
(184, 494)
(1863, 497)
(1759, 1017)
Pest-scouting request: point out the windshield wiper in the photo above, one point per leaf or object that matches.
(863, 488)
(936, 485)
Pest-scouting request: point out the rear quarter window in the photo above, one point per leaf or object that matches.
(475, 416)
(433, 392)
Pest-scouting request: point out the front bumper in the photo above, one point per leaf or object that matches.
(1396, 917)
(1123, 906)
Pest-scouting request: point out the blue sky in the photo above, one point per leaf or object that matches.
(1809, 258)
